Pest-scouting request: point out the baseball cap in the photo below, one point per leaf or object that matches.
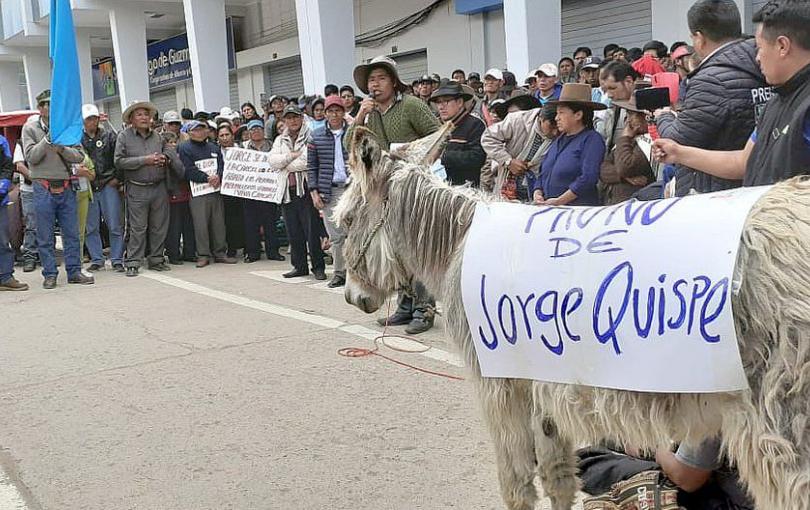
(291, 109)
(547, 69)
(194, 124)
(171, 116)
(591, 63)
(495, 73)
(255, 124)
(426, 78)
(89, 110)
(474, 76)
(333, 101)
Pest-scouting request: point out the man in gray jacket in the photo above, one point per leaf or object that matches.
(149, 169)
(54, 198)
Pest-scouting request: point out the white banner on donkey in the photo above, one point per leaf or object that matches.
(635, 296)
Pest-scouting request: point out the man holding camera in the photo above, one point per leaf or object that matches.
(150, 169)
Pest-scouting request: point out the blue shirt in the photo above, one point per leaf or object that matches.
(4, 145)
(573, 162)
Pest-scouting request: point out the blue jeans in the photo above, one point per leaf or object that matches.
(48, 207)
(29, 247)
(107, 203)
(6, 253)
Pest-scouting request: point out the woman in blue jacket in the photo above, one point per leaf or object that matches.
(570, 170)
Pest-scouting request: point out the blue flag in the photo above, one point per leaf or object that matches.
(66, 89)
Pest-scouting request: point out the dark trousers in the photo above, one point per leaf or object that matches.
(303, 229)
(234, 223)
(260, 215)
(147, 221)
(416, 302)
(180, 225)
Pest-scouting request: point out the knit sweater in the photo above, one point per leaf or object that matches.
(408, 119)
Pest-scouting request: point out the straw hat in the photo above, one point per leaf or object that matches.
(362, 71)
(137, 105)
(579, 93)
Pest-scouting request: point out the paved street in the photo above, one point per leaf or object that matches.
(222, 388)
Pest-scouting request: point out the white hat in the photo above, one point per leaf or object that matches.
(172, 116)
(547, 69)
(89, 110)
(495, 73)
(212, 124)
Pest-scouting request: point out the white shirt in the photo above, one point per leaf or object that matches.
(18, 158)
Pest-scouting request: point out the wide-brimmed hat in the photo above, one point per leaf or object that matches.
(362, 71)
(138, 105)
(452, 89)
(522, 100)
(578, 93)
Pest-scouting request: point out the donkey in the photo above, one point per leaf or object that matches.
(404, 223)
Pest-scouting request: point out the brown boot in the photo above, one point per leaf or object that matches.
(203, 261)
(13, 285)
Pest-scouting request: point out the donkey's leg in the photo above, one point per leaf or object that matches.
(507, 409)
(556, 463)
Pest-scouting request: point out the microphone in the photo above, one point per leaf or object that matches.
(373, 95)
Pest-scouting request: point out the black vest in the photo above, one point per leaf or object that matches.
(780, 151)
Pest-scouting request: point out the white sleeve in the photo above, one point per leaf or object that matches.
(18, 154)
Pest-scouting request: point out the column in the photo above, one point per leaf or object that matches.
(10, 99)
(128, 25)
(85, 65)
(37, 67)
(205, 24)
(326, 40)
(533, 34)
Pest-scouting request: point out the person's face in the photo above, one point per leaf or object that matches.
(248, 112)
(172, 144)
(491, 85)
(318, 112)
(546, 83)
(566, 67)
(699, 43)
(44, 109)
(580, 56)
(334, 116)
(293, 123)
(91, 124)
(448, 107)
(610, 54)
(225, 137)
(257, 134)
(380, 84)
(173, 127)
(245, 135)
(425, 88)
(459, 77)
(277, 105)
(620, 56)
(141, 118)
(618, 90)
(770, 55)
(666, 63)
(567, 120)
(651, 53)
(532, 84)
(199, 134)
(548, 128)
(348, 99)
(589, 76)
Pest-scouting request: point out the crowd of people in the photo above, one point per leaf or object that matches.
(589, 130)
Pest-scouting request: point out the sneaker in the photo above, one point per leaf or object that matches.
(95, 267)
(160, 267)
(176, 262)
(13, 285)
(132, 271)
(49, 283)
(337, 281)
(81, 279)
(202, 262)
(119, 268)
(274, 255)
(419, 325)
(29, 266)
(295, 273)
(225, 260)
(398, 319)
(319, 274)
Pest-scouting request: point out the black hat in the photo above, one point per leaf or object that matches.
(522, 100)
(291, 109)
(450, 88)
(474, 76)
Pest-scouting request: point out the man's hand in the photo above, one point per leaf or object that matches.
(295, 154)
(518, 167)
(538, 197)
(317, 201)
(666, 150)
(21, 169)
(636, 125)
(214, 181)
(154, 159)
(663, 111)
(366, 107)
(83, 171)
(113, 183)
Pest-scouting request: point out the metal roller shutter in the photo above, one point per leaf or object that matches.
(165, 100)
(284, 78)
(411, 66)
(233, 89)
(596, 23)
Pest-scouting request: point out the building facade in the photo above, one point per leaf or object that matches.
(205, 54)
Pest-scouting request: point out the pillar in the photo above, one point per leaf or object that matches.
(533, 34)
(205, 24)
(37, 67)
(85, 65)
(10, 99)
(326, 41)
(128, 26)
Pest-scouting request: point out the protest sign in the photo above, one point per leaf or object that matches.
(248, 175)
(208, 167)
(635, 296)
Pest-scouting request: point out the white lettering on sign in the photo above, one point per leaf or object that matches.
(248, 175)
(635, 296)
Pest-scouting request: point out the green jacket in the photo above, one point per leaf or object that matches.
(408, 119)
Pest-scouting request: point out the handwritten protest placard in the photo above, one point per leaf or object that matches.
(248, 175)
(209, 167)
(635, 296)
